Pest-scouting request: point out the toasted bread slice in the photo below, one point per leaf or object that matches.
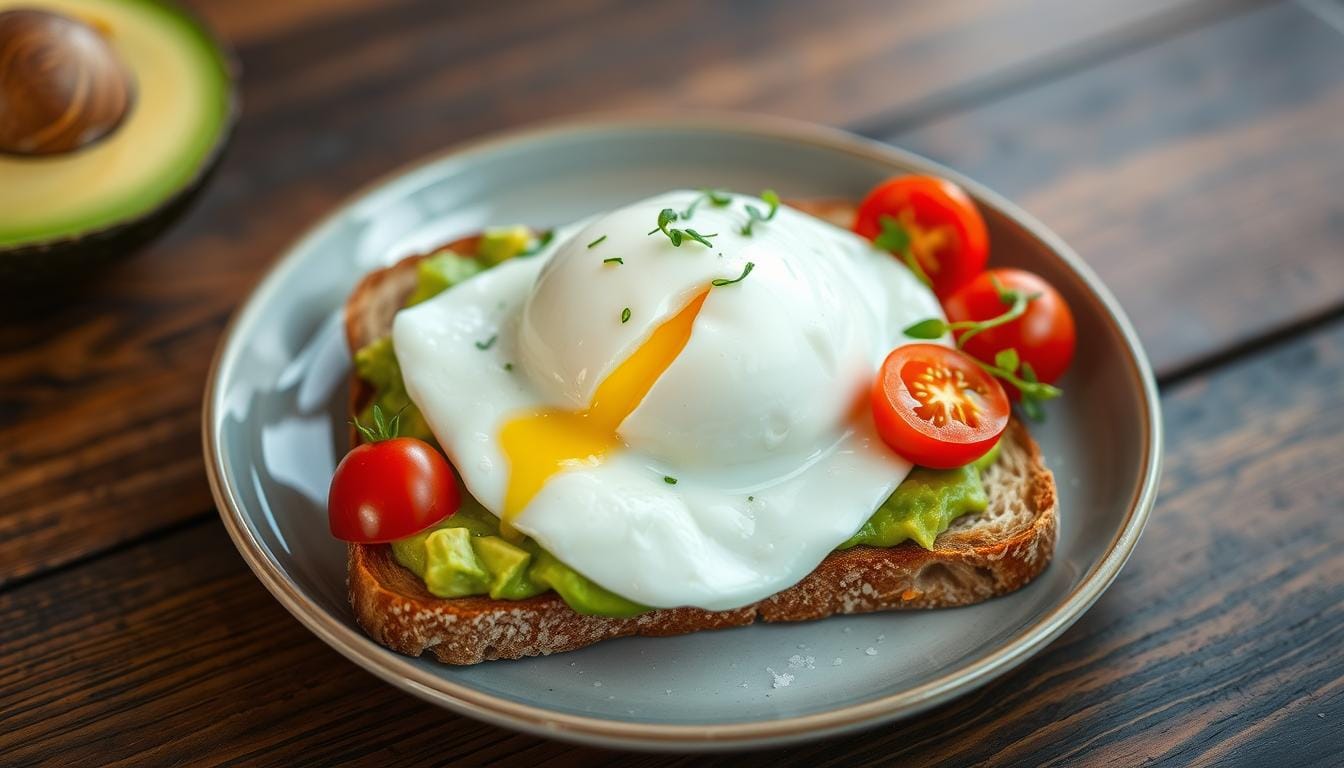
(978, 557)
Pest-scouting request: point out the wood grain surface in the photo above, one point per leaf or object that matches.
(1189, 149)
(1206, 167)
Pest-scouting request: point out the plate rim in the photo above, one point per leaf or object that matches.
(401, 672)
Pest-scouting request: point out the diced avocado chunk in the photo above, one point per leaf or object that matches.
(442, 271)
(579, 592)
(451, 567)
(508, 566)
(470, 517)
(500, 244)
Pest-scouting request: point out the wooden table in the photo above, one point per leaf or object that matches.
(1191, 150)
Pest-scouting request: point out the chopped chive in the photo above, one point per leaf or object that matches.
(597, 242)
(488, 343)
(614, 260)
(625, 315)
(670, 480)
(722, 281)
(508, 366)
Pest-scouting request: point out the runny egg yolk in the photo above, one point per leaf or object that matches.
(542, 443)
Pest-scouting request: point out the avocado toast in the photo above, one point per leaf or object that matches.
(978, 557)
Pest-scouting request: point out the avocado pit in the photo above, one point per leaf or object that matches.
(62, 86)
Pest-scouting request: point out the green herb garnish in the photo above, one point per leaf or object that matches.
(1034, 392)
(722, 281)
(625, 315)
(934, 327)
(614, 260)
(1008, 364)
(699, 238)
(508, 366)
(896, 239)
(488, 343)
(670, 480)
(755, 214)
(666, 217)
(716, 197)
(597, 242)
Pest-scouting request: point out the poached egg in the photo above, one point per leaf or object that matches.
(682, 424)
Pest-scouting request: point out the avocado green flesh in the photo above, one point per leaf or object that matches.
(377, 364)
(439, 272)
(182, 106)
(464, 554)
(925, 504)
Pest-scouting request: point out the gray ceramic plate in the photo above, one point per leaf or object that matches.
(274, 413)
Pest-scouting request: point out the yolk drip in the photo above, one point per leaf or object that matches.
(542, 443)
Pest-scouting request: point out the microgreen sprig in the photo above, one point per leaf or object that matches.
(895, 239)
(677, 236)
(1007, 365)
(934, 327)
(716, 197)
(755, 214)
(1010, 368)
(382, 429)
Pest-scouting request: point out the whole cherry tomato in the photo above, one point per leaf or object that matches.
(931, 224)
(1044, 336)
(389, 488)
(936, 407)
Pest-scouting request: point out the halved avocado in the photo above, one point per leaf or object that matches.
(65, 210)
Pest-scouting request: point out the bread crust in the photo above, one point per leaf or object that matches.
(968, 564)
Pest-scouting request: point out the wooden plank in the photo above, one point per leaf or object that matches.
(1200, 177)
(99, 385)
(1219, 642)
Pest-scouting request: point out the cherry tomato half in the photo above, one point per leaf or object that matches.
(389, 490)
(942, 227)
(1044, 336)
(936, 408)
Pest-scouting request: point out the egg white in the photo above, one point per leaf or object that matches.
(770, 393)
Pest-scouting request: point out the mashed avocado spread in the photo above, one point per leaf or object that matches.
(464, 555)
